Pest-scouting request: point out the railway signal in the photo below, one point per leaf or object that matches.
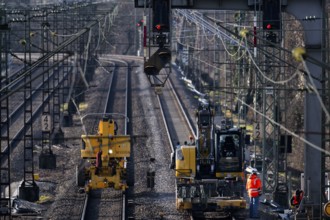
(161, 15)
(271, 37)
(271, 15)
(271, 19)
(140, 23)
(160, 38)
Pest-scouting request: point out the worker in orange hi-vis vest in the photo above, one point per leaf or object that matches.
(296, 199)
(253, 187)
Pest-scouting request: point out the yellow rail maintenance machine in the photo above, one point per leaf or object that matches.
(210, 173)
(106, 154)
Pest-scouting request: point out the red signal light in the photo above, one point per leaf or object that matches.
(158, 27)
(269, 26)
(140, 23)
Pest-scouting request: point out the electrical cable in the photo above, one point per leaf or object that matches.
(256, 65)
(314, 88)
(264, 75)
(98, 37)
(285, 129)
(282, 81)
(251, 57)
(297, 73)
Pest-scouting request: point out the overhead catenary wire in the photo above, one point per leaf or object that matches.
(238, 39)
(285, 129)
(308, 58)
(77, 108)
(223, 43)
(111, 20)
(312, 84)
(298, 72)
(198, 19)
(86, 51)
(266, 77)
(49, 55)
(228, 12)
(314, 88)
(244, 36)
(99, 36)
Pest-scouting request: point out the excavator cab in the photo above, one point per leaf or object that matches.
(230, 152)
(228, 148)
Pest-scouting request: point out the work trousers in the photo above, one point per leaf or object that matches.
(254, 206)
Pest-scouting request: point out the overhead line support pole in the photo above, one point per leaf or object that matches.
(314, 33)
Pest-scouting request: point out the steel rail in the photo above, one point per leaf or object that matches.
(83, 213)
(84, 210)
(181, 110)
(191, 127)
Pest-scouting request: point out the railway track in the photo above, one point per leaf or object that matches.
(11, 87)
(110, 203)
(177, 122)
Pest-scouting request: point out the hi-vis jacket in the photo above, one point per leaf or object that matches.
(253, 185)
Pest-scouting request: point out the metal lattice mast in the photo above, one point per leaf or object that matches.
(274, 108)
(283, 147)
(217, 72)
(239, 79)
(90, 66)
(5, 189)
(229, 81)
(73, 26)
(80, 86)
(282, 138)
(57, 133)
(66, 76)
(28, 187)
(46, 119)
(199, 42)
(269, 130)
(56, 72)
